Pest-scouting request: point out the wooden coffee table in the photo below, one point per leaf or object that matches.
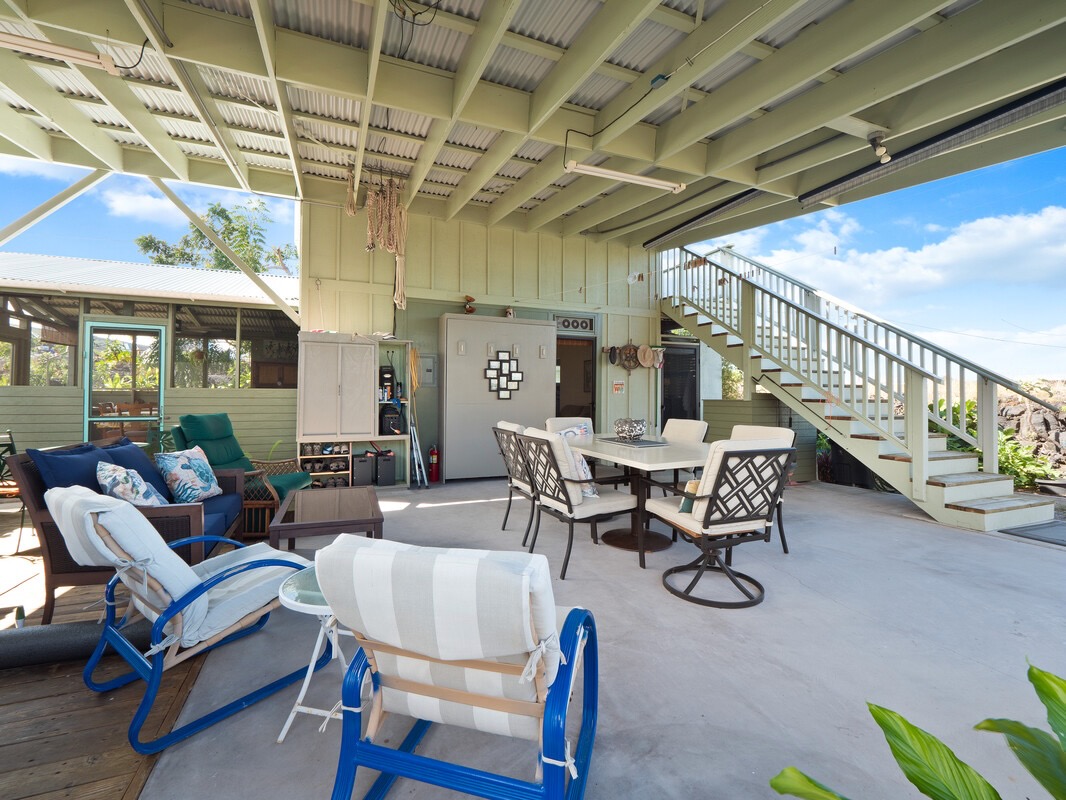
(317, 512)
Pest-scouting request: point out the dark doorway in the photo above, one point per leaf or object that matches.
(575, 377)
(681, 382)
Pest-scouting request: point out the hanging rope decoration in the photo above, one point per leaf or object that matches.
(386, 226)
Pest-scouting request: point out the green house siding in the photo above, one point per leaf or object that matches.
(764, 409)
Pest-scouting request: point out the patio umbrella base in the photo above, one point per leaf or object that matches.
(625, 539)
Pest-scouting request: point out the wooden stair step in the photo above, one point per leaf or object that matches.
(967, 479)
(991, 505)
(943, 455)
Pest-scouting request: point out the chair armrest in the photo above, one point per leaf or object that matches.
(672, 489)
(231, 480)
(258, 488)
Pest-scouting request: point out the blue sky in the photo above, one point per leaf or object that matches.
(976, 263)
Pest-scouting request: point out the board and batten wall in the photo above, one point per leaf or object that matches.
(764, 409)
(538, 274)
(51, 416)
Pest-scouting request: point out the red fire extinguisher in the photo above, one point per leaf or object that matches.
(434, 464)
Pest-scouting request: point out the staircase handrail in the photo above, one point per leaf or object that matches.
(978, 370)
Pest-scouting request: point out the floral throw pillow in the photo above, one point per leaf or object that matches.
(128, 485)
(188, 475)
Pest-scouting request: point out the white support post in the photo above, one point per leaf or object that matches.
(31, 218)
(988, 424)
(747, 333)
(916, 430)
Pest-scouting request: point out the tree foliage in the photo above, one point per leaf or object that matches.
(242, 227)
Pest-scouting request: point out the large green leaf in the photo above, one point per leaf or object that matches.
(1038, 750)
(791, 781)
(1051, 689)
(928, 763)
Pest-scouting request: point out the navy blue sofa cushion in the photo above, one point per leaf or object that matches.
(73, 467)
(220, 512)
(127, 454)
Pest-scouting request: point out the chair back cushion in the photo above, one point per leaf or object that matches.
(740, 494)
(447, 604)
(684, 430)
(213, 433)
(140, 548)
(785, 437)
(73, 466)
(129, 455)
(545, 474)
(513, 427)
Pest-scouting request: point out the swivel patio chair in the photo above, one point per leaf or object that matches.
(785, 437)
(462, 638)
(740, 488)
(517, 473)
(559, 488)
(192, 609)
(266, 484)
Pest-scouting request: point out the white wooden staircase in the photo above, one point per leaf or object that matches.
(870, 387)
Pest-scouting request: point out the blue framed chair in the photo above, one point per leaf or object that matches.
(193, 609)
(512, 672)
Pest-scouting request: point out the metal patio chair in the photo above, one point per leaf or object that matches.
(785, 437)
(517, 474)
(465, 639)
(193, 609)
(740, 488)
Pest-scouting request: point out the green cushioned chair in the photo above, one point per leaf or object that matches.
(265, 480)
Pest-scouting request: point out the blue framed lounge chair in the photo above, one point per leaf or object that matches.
(193, 609)
(463, 638)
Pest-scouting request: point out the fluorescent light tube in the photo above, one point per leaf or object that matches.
(625, 177)
(58, 52)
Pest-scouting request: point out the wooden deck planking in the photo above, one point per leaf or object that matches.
(58, 738)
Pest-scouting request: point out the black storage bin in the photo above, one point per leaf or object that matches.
(362, 470)
(385, 468)
(848, 470)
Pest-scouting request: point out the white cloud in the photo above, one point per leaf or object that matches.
(1018, 355)
(29, 167)
(145, 206)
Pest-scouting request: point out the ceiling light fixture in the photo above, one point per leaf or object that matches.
(877, 142)
(58, 52)
(626, 177)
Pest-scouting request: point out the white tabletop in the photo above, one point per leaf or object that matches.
(675, 455)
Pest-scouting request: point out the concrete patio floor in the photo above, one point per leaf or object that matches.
(874, 603)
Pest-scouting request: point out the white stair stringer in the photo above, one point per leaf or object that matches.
(955, 492)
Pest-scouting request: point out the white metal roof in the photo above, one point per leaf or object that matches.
(60, 274)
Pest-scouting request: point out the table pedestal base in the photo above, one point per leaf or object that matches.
(625, 539)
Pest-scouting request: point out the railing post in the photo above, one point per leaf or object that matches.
(916, 430)
(988, 423)
(747, 334)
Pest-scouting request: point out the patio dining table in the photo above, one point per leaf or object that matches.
(642, 458)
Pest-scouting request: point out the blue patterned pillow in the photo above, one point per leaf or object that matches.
(188, 475)
(128, 485)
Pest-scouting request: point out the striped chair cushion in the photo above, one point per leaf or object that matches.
(447, 604)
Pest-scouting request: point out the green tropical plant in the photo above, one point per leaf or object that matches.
(242, 227)
(1021, 463)
(937, 772)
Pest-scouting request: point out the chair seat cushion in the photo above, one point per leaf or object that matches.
(242, 594)
(220, 512)
(289, 482)
(668, 509)
(129, 455)
(609, 501)
(75, 466)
